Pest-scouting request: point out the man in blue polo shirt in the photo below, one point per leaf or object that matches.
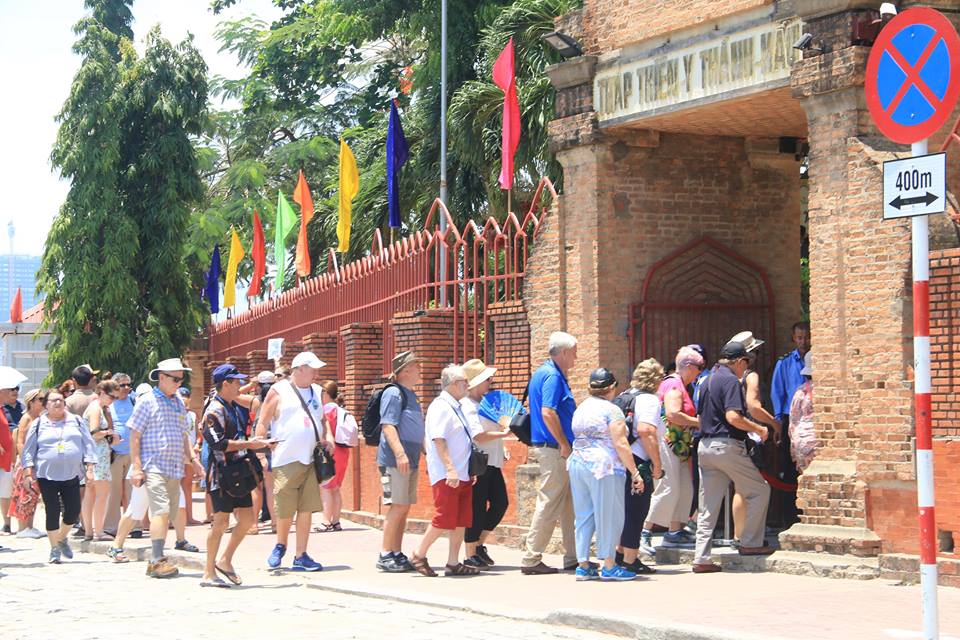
(784, 384)
(551, 432)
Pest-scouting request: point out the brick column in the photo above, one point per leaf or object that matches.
(324, 346)
(511, 346)
(290, 351)
(196, 357)
(363, 355)
(429, 334)
(257, 361)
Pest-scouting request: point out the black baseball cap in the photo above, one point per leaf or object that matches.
(734, 351)
(602, 378)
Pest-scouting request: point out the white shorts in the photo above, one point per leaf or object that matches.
(6, 484)
(139, 501)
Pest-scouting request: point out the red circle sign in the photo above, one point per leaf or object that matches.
(913, 75)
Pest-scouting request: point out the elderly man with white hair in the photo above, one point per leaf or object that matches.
(551, 431)
(448, 446)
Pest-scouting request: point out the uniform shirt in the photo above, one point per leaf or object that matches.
(721, 393)
(786, 381)
(57, 450)
(549, 389)
(160, 421)
(409, 424)
(445, 420)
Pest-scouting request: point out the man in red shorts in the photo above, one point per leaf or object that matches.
(448, 449)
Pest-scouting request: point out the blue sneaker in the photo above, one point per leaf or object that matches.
(674, 539)
(55, 555)
(306, 563)
(617, 574)
(587, 574)
(277, 556)
(66, 550)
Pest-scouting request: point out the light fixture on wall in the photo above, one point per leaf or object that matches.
(805, 43)
(563, 44)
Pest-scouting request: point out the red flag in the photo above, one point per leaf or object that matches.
(504, 77)
(259, 255)
(301, 195)
(16, 307)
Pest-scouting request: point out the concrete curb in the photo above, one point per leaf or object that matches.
(623, 627)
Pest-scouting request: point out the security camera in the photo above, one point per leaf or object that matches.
(803, 42)
(888, 10)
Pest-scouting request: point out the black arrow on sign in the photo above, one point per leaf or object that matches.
(927, 200)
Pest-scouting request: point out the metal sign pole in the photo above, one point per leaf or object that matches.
(443, 150)
(921, 361)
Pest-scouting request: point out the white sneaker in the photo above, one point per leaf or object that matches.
(36, 533)
(646, 545)
(23, 533)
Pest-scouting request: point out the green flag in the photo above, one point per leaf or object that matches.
(286, 221)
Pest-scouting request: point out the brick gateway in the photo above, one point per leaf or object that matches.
(680, 130)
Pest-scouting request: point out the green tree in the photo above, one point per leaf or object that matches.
(113, 272)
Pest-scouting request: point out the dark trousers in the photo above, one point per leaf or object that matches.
(636, 506)
(489, 504)
(60, 496)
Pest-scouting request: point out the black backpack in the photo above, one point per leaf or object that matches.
(370, 427)
(626, 401)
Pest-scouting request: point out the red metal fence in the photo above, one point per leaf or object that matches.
(485, 265)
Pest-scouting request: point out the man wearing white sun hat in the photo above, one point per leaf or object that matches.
(292, 413)
(159, 448)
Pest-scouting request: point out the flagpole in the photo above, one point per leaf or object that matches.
(509, 194)
(443, 146)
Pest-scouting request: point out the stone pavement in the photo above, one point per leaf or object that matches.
(670, 604)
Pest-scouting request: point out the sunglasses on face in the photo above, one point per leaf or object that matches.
(124, 385)
(55, 400)
(174, 378)
(111, 396)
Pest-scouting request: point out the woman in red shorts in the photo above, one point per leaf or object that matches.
(330, 490)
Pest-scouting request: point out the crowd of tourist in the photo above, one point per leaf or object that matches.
(109, 462)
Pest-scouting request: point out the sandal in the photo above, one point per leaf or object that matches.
(422, 566)
(460, 569)
(215, 582)
(328, 528)
(229, 575)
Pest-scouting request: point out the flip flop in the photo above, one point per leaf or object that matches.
(215, 582)
(229, 575)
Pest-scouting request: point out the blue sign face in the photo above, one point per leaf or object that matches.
(913, 75)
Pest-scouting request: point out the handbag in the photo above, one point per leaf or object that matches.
(520, 423)
(477, 466)
(324, 465)
(755, 452)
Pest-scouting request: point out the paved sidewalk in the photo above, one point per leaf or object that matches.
(669, 604)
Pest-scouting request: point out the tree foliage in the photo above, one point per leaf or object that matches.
(113, 272)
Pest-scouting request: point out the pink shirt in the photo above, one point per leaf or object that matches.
(672, 382)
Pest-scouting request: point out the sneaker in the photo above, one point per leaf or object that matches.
(78, 533)
(306, 563)
(582, 575)
(162, 569)
(6, 528)
(65, 549)
(403, 561)
(23, 533)
(32, 532)
(55, 555)
(183, 545)
(616, 574)
(388, 564)
(483, 555)
(276, 557)
(646, 544)
(638, 567)
(136, 534)
(691, 527)
(476, 563)
(674, 539)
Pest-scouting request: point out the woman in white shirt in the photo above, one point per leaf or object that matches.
(649, 429)
(490, 499)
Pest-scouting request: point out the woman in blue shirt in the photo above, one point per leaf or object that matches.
(57, 448)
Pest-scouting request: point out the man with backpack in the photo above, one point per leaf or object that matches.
(400, 444)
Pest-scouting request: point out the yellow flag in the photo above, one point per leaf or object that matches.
(349, 186)
(230, 285)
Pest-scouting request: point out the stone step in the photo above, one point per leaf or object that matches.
(906, 568)
(822, 565)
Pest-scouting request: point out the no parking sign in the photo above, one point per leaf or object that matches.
(913, 75)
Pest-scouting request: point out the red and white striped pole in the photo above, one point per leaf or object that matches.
(921, 366)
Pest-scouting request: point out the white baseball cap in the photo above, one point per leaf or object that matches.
(266, 377)
(142, 389)
(308, 358)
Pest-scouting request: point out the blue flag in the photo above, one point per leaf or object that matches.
(397, 155)
(212, 289)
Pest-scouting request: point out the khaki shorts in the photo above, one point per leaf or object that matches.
(399, 488)
(295, 490)
(161, 491)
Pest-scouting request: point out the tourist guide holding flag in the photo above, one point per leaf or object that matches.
(301, 195)
(349, 187)
(233, 262)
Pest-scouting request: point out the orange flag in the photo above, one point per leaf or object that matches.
(16, 307)
(301, 195)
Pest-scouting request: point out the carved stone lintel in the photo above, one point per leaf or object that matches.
(572, 72)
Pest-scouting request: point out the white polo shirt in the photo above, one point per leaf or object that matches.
(445, 419)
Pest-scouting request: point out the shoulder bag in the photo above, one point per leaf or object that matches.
(478, 457)
(323, 464)
(520, 423)
(238, 478)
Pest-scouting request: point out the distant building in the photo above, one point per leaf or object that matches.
(24, 276)
(24, 349)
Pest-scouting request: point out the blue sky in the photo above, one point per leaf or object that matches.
(36, 70)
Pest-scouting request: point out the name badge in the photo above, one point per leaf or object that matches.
(60, 448)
